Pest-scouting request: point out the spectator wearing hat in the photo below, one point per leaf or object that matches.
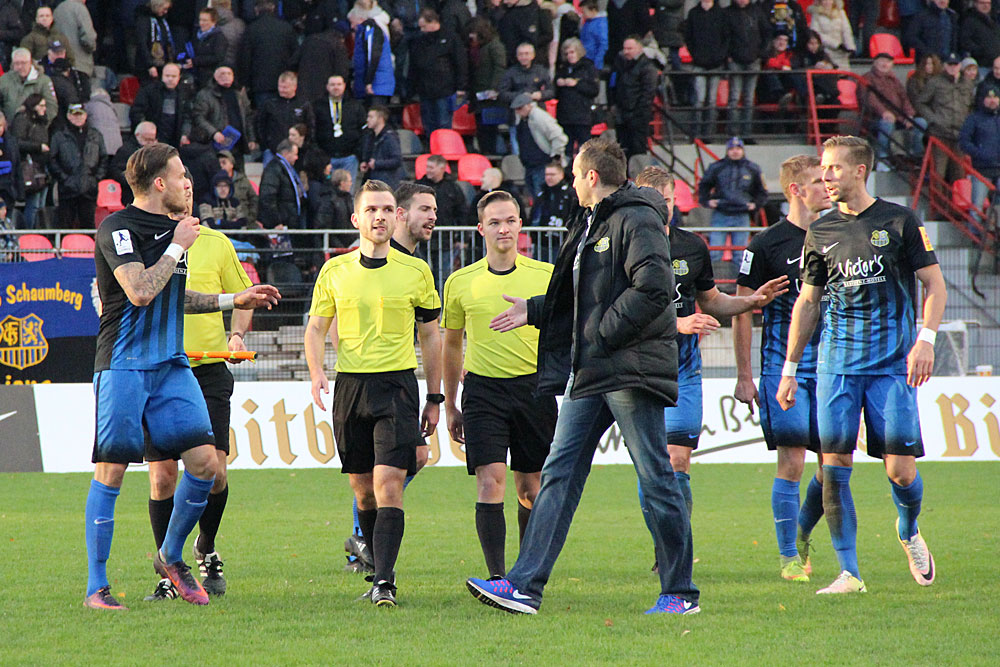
(102, 117)
(733, 189)
(73, 20)
(43, 34)
(23, 79)
(77, 163)
(979, 33)
(970, 69)
(886, 108)
(979, 138)
(538, 140)
(71, 85)
(221, 209)
(945, 102)
(11, 182)
(30, 127)
(167, 103)
(934, 30)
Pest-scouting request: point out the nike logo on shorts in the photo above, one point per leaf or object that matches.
(910, 443)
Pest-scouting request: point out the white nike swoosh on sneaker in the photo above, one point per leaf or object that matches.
(828, 248)
(9, 414)
(518, 596)
(161, 235)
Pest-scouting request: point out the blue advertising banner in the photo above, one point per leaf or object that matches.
(49, 315)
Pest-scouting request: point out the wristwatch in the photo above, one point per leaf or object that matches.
(437, 399)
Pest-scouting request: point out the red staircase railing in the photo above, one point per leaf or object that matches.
(945, 198)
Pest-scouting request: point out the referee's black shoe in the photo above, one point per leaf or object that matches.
(367, 595)
(384, 594)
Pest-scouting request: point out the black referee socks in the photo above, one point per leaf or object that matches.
(523, 514)
(492, 529)
(386, 538)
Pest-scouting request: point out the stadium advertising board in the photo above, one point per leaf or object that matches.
(48, 321)
(275, 425)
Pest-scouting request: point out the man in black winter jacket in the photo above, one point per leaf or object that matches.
(634, 86)
(339, 122)
(267, 50)
(280, 113)
(166, 103)
(438, 69)
(77, 161)
(607, 343)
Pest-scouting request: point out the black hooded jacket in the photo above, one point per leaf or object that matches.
(619, 317)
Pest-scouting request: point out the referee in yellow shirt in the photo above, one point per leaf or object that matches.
(213, 267)
(499, 408)
(377, 294)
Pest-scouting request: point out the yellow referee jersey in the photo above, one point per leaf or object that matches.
(474, 295)
(375, 309)
(213, 268)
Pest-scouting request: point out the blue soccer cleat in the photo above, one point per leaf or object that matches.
(501, 594)
(671, 604)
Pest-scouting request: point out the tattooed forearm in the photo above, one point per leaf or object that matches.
(141, 285)
(197, 302)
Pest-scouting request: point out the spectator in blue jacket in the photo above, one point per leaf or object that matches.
(594, 32)
(734, 190)
(979, 138)
(374, 79)
(934, 30)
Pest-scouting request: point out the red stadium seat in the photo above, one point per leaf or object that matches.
(128, 87)
(525, 246)
(883, 42)
(848, 89)
(252, 272)
(78, 246)
(683, 197)
(551, 106)
(722, 96)
(256, 187)
(463, 122)
(109, 195)
(411, 119)
(961, 194)
(685, 55)
(471, 168)
(34, 242)
(598, 129)
(447, 143)
(420, 166)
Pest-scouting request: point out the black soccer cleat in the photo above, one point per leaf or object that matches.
(356, 546)
(383, 594)
(210, 568)
(164, 591)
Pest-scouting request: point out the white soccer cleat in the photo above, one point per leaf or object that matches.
(845, 583)
(921, 560)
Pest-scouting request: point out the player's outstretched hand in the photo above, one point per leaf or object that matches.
(456, 423)
(699, 323)
(746, 392)
(186, 232)
(512, 318)
(919, 363)
(320, 386)
(767, 292)
(236, 344)
(258, 296)
(786, 392)
(429, 419)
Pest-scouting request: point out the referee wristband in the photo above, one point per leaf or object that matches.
(927, 335)
(227, 301)
(790, 369)
(175, 250)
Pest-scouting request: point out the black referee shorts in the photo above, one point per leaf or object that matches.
(503, 413)
(216, 382)
(376, 420)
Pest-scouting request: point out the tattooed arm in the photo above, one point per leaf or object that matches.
(198, 302)
(141, 285)
(258, 296)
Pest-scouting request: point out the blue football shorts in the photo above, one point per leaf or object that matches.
(796, 427)
(684, 421)
(167, 401)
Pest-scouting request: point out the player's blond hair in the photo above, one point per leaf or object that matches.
(793, 169)
(655, 177)
(859, 151)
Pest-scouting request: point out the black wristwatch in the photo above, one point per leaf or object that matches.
(436, 399)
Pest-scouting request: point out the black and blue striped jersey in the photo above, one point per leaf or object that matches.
(692, 274)
(775, 253)
(867, 263)
(133, 337)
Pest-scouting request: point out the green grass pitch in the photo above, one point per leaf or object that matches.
(289, 601)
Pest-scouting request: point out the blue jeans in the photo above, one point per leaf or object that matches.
(720, 219)
(915, 135)
(578, 430)
(742, 84)
(436, 113)
(705, 90)
(33, 202)
(534, 178)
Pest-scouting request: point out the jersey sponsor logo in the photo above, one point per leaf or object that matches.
(880, 238)
(927, 240)
(828, 248)
(602, 244)
(123, 242)
(22, 343)
(746, 263)
(861, 271)
(681, 267)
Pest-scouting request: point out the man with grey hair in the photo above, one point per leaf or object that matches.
(23, 79)
(144, 135)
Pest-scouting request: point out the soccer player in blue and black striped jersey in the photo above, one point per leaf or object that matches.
(868, 255)
(778, 252)
(694, 288)
(142, 379)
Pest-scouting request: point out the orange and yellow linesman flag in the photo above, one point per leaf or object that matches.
(229, 356)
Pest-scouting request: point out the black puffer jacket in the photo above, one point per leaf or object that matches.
(635, 85)
(78, 171)
(625, 326)
(575, 102)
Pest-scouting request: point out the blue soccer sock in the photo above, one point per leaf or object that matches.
(357, 524)
(684, 481)
(907, 499)
(190, 500)
(812, 507)
(785, 506)
(406, 482)
(838, 505)
(100, 517)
